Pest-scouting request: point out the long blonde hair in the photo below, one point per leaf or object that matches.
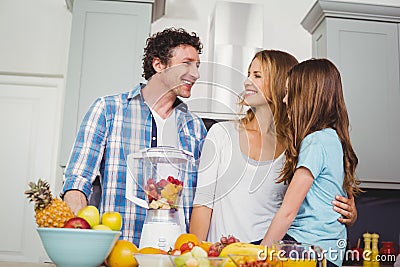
(275, 64)
(315, 101)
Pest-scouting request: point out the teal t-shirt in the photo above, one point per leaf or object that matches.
(316, 222)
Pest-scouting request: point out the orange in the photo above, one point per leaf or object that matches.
(122, 254)
(205, 245)
(184, 238)
(151, 250)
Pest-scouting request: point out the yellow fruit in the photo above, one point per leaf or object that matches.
(101, 227)
(90, 214)
(122, 255)
(244, 251)
(184, 238)
(112, 219)
(205, 245)
(151, 250)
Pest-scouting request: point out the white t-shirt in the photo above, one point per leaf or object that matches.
(167, 133)
(241, 191)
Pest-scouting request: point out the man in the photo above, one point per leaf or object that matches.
(118, 125)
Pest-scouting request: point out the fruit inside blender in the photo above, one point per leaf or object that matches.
(163, 194)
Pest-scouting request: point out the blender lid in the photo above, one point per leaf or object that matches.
(162, 154)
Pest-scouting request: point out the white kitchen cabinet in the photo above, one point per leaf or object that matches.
(105, 57)
(363, 41)
(29, 140)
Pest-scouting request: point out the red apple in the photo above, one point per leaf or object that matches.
(78, 223)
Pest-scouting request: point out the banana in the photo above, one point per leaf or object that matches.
(241, 248)
(241, 252)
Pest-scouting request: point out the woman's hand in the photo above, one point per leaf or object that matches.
(347, 208)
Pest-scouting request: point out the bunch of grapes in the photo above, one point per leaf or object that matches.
(216, 248)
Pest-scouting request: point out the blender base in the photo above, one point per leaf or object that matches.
(160, 235)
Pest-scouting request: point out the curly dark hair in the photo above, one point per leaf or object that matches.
(161, 45)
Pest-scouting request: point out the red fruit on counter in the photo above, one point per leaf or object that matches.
(224, 240)
(232, 239)
(188, 246)
(213, 253)
(77, 223)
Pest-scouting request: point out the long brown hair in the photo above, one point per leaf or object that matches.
(275, 64)
(315, 101)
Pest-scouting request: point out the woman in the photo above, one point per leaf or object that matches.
(237, 193)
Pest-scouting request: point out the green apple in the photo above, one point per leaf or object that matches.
(90, 214)
(180, 261)
(112, 219)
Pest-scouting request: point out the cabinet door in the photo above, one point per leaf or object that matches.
(29, 138)
(107, 41)
(367, 55)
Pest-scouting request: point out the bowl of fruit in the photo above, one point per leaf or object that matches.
(68, 247)
(73, 241)
(190, 252)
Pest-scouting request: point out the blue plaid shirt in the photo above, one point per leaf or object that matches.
(114, 127)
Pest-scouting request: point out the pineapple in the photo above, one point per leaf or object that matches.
(50, 212)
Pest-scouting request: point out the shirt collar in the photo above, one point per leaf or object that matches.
(137, 92)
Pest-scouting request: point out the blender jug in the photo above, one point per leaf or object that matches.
(162, 170)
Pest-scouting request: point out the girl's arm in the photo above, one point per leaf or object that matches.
(200, 221)
(295, 194)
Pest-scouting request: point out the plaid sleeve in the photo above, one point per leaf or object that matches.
(87, 152)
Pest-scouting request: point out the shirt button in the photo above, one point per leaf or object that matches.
(154, 138)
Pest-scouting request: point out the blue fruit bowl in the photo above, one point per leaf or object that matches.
(77, 247)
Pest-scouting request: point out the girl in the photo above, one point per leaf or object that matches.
(320, 161)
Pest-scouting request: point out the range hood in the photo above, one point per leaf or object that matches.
(235, 35)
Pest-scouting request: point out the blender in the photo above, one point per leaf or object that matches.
(163, 170)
